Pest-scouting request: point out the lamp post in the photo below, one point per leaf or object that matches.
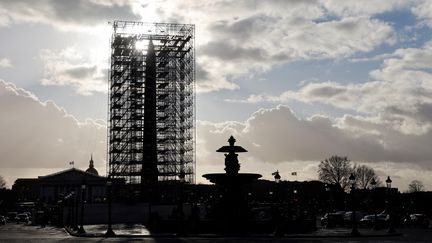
(373, 184)
(180, 206)
(81, 228)
(277, 178)
(390, 219)
(71, 205)
(297, 203)
(354, 231)
(109, 232)
(328, 190)
(75, 223)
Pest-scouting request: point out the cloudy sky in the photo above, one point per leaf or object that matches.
(294, 81)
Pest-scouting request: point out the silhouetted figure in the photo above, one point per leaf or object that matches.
(232, 165)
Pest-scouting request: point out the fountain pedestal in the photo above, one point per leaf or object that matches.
(232, 213)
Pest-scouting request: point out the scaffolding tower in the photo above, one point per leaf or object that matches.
(152, 102)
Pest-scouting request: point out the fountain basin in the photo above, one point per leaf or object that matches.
(235, 179)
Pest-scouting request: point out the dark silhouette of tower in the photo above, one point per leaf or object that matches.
(151, 103)
(149, 163)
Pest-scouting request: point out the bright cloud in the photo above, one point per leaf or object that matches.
(38, 134)
(399, 93)
(70, 67)
(236, 38)
(282, 136)
(5, 63)
(384, 117)
(260, 37)
(43, 135)
(277, 138)
(66, 15)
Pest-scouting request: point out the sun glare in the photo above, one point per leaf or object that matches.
(141, 45)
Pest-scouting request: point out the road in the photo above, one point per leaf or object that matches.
(12, 232)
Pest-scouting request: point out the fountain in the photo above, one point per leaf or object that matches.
(233, 211)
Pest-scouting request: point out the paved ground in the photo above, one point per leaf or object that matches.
(24, 233)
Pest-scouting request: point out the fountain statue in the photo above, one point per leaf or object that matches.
(232, 212)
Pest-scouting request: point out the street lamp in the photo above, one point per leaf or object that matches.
(109, 232)
(277, 216)
(297, 203)
(68, 201)
(328, 190)
(71, 206)
(390, 219)
(373, 184)
(354, 231)
(388, 182)
(180, 206)
(81, 228)
(277, 177)
(76, 205)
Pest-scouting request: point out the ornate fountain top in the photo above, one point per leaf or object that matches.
(231, 141)
(232, 167)
(231, 147)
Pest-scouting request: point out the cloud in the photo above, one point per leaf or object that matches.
(69, 67)
(66, 15)
(5, 63)
(237, 39)
(281, 136)
(40, 135)
(344, 8)
(399, 92)
(423, 11)
(277, 138)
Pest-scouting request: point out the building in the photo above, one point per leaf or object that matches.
(53, 187)
(151, 108)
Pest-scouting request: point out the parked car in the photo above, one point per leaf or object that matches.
(22, 217)
(2, 220)
(29, 215)
(11, 216)
(369, 220)
(332, 219)
(417, 220)
(348, 216)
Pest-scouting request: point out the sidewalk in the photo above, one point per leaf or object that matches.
(140, 231)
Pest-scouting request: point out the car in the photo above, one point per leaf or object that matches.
(29, 215)
(22, 217)
(369, 220)
(348, 216)
(417, 220)
(332, 219)
(11, 216)
(2, 220)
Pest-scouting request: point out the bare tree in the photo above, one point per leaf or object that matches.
(416, 186)
(335, 170)
(364, 176)
(2, 182)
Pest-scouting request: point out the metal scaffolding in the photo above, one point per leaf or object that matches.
(152, 102)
